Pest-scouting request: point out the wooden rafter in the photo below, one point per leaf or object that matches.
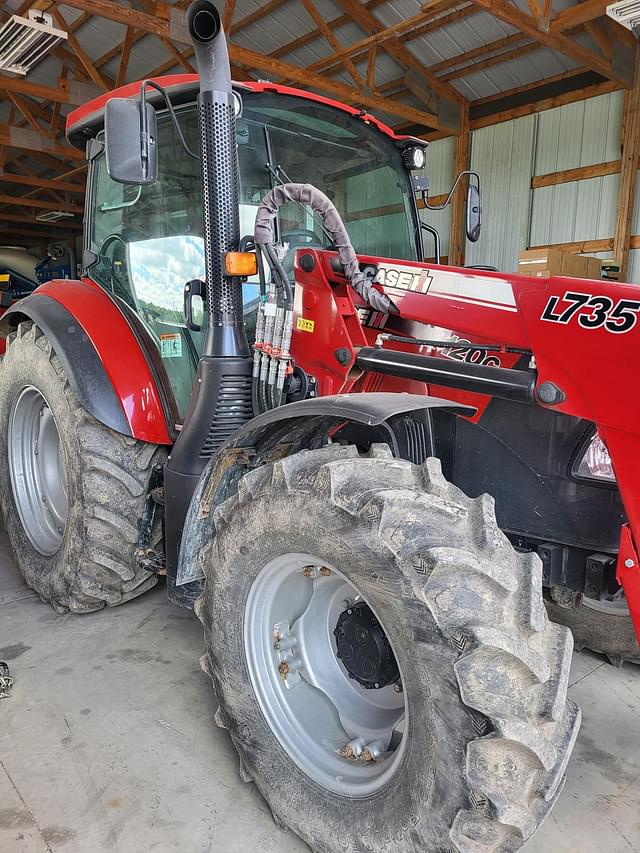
(227, 18)
(178, 57)
(61, 94)
(125, 56)
(253, 17)
(312, 35)
(371, 67)
(333, 42)
(80, 52)
(23, 108)
(31, 220)
(160, 26)
(22, 201)
(630, 143)
(41, 183)
(580, 13)
(36, 143)
(397, 50)
(497, 59)
(556, 39)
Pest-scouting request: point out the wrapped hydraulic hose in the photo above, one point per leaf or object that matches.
(321, 204)
(271, 351)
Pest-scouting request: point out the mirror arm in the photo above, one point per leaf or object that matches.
(436, 239)
(425, 195)
(151, 84)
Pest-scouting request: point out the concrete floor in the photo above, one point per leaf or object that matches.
(108, 744)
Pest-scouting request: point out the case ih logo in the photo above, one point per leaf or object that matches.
(400, 277)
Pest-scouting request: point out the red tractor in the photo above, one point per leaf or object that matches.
(377, 640)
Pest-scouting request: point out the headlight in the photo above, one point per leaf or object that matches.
(414, 157)
(595, 462)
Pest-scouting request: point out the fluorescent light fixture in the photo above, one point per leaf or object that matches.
(54, 216)
(626, 13)
(26, 41)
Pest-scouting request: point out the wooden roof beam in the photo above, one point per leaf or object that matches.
(31, 220)
(20, 201)
(333, 42)
(312, 35)
(332, 87)
(127, 45)
(65, 93)
(621, 72)
(400, 52)
(29, 140)
(377, 38)
(100, 81)
(580, 13)
(41, 183)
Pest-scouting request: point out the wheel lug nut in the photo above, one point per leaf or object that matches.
(372, 751)
(284, 669)
(308, 571)
(353, 749)
(325, 572)
(397, 687)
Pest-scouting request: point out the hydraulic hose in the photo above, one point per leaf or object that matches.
(322, 205)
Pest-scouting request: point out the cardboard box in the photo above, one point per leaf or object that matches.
(543, 263)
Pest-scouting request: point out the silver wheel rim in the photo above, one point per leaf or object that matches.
(346, 738)
(38, 471)
(616, 605)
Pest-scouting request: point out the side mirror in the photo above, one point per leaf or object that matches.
(473, 218)
(130, 141)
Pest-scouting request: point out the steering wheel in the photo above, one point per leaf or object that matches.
(300, 237)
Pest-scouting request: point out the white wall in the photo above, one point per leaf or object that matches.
(503, 156)
(509, 154)
(440, 161)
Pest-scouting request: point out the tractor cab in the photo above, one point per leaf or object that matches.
(144, 242)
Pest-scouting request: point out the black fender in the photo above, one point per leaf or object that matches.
(276, 433)
(79, 358)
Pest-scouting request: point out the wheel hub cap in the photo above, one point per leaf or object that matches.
(38, 471)
(341, 730)
(363, 648)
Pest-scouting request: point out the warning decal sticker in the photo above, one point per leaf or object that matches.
(171, 345)
(304, 325)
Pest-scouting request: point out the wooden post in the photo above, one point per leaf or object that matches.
(630, 141)
(461, 162)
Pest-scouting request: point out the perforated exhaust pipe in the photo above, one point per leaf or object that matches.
(220, 180)
(221, 398)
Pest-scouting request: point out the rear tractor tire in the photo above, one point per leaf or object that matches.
(601, 626)
(382, 657)
(71, 489)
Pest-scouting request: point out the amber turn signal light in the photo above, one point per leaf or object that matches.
(240, 263)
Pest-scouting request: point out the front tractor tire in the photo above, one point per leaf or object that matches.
(382, 657)
(71, 489)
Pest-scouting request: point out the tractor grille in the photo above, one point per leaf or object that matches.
(232, 411)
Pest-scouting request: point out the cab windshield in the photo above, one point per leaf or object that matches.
(148, 240)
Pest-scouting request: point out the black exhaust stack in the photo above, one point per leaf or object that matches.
(221, 398)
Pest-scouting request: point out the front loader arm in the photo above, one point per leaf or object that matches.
(583, 336)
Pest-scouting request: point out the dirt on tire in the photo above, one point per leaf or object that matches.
(485, 673)
(107, 476)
